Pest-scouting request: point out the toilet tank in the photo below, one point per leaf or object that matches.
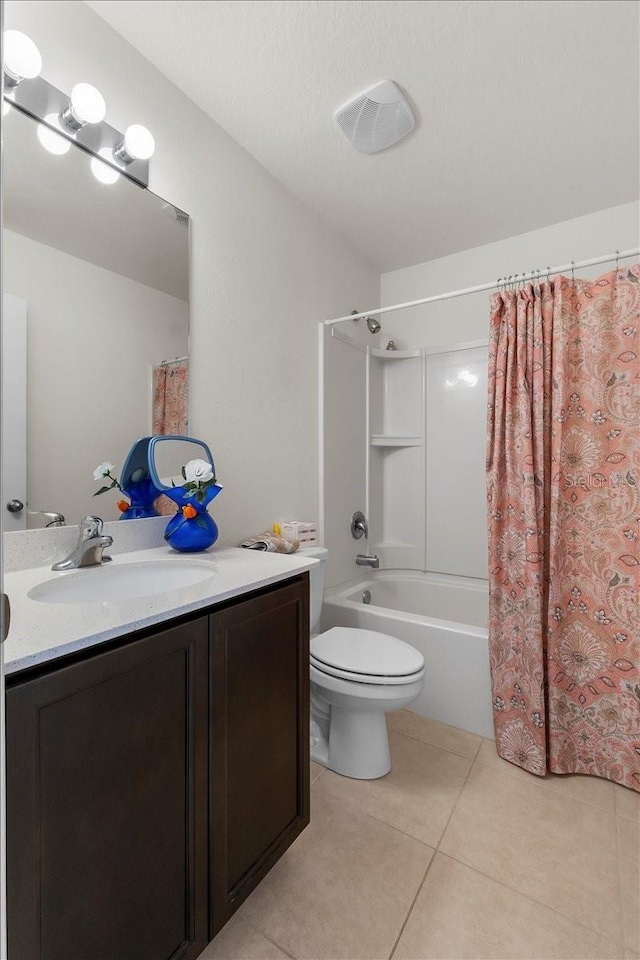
(316, 583)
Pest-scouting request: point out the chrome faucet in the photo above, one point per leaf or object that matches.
(364, 561)
(88, 550)
(51, 517)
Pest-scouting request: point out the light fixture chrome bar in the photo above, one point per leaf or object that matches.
(493, 285)
(45, 103)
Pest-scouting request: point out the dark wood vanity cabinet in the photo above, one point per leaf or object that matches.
(259, 742)
(150, 786)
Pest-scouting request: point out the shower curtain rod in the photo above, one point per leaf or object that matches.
(518, 278)
(170, 363)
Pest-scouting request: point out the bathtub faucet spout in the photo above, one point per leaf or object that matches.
(363, 561)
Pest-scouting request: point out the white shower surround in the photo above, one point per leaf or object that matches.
(445, 619)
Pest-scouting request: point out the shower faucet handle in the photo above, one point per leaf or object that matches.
(359, 525)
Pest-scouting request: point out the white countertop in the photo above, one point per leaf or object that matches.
(41, 632)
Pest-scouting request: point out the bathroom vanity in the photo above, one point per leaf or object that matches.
(156, 776)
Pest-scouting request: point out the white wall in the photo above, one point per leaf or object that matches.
(92, 336)
(264, 272)
(467, 318)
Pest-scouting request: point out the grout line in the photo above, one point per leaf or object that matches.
(411, 906)
(434, 746)
(435, 853)
(316, 778)
(409, 836)
(455, 804)
(533, 899)
(539, 903)
(540, 783)
(270, 939)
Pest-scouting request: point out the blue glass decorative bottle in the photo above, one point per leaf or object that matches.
(142, 494)
(187, 533)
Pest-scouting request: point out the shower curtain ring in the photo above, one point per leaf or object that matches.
(573, 269)
(617, 258)
(548, 272)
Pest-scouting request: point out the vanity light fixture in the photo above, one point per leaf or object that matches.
(86, 105)
(79, 118)
(103, 172)
(137, 144)
(52, 141)
(22, 60)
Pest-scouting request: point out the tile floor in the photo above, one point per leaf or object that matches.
(456, 853)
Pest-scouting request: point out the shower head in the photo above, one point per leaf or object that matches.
(374, 325)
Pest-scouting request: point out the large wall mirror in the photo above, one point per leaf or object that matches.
(95, 322)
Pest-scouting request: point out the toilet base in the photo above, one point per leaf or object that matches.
(348, 723)
(358, 745)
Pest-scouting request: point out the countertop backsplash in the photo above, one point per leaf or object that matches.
(23, 549)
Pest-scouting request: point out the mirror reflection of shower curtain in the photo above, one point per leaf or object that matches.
(563, 498)
(170, 410)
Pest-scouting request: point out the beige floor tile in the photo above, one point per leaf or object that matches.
(594, 790)
(239, 940)
(549, 847)
(437, 734)
(629, 862)
(627, 802)
(418, 795)
(461, 914)
(343, 889)
(631, 954)
(316, 771)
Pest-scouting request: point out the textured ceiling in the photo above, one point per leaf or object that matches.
(527, 110)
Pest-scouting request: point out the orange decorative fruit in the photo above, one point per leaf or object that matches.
(189, 512)
(122, 505)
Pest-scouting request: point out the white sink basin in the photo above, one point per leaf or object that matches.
(114, 583)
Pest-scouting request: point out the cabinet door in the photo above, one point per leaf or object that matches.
(259, 792)
(107, 804)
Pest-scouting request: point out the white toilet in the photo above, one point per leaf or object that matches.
(356, 677)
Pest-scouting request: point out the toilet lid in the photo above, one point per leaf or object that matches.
(364, 678)
(365, 652)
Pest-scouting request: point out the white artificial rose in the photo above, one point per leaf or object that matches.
(198, 471)
(103, 470)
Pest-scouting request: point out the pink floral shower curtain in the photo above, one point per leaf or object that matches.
(564, 507)
(170, 413)
(171, 399)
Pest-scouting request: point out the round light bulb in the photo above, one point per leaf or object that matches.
(87, 104)
(54, 142)
(103, 172)
(139, 142)
(22, 60)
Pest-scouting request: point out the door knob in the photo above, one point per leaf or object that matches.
(15, 506)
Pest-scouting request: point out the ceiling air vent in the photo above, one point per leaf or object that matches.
(377, 118)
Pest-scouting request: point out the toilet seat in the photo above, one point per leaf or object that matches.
(365, 656)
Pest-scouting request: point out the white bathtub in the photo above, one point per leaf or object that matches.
(445, 619)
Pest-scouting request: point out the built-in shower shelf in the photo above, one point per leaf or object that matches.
(395, 354)
(382, 440)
